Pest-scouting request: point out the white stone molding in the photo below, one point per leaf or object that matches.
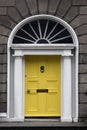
(15, 88)
(66, 99)
(18, 88)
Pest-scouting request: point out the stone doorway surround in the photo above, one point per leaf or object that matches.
(69, 70)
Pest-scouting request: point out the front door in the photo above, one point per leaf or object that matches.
(42, 86)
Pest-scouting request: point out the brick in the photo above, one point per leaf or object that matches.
(3, 97)
(63, 7)
(7, 2)
(3, 49)
(13, 13)
(3, 39)
(83, 78)
(83, 98)
(3, 68)
(83, 68)
(81, 30)
(83, 48)
(82, 119)
(3, 59)
(22, 7)
(83, 58)
(83, 39)
(32, 4)
(3, 107)
(3, 10)
(43, 6)
(3, 78)
(83, 88)
(53, 6)
(83, 10)
(6, 21)
(3, 88)
(4, 30)
(79, 2)
(83, 110)
(79, 20)
(71, 14)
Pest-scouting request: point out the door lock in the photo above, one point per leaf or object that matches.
(28, 91)
(42, 69)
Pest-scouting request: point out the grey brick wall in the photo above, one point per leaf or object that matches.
(72, 11)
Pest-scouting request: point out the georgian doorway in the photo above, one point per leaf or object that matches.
(43, 66)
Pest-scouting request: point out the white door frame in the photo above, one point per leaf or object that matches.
(69, 63)
(66, 85)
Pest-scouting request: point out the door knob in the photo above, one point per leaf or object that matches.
(42, 69)
(28, 91)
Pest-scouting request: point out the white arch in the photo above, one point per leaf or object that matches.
(42, 16)
(59, 46)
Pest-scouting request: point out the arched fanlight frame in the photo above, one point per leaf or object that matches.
(43, 29)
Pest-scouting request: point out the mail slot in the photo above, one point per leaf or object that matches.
(42, 90)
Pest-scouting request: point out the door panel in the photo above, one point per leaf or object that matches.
(42, 86)
(52, 102)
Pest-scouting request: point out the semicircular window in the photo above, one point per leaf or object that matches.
(42, 31)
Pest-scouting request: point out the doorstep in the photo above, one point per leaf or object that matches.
(42, 123)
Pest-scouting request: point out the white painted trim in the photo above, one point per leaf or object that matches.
(42, 46)
(75, 118)
(8, 82)
(3, 114)
(23, 76)
(18, 53)
(21, 50)
(66, 98)
(66, 119)
(65, 54)
(18, 88)
(42, 52)
(42, 16)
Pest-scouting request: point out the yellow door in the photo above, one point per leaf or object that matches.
(42, 86)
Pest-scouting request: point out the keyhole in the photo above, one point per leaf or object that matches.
(42, 69)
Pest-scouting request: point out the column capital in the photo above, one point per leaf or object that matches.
(18, 53)
(67, 53)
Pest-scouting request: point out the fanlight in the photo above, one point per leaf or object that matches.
(42, 31)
